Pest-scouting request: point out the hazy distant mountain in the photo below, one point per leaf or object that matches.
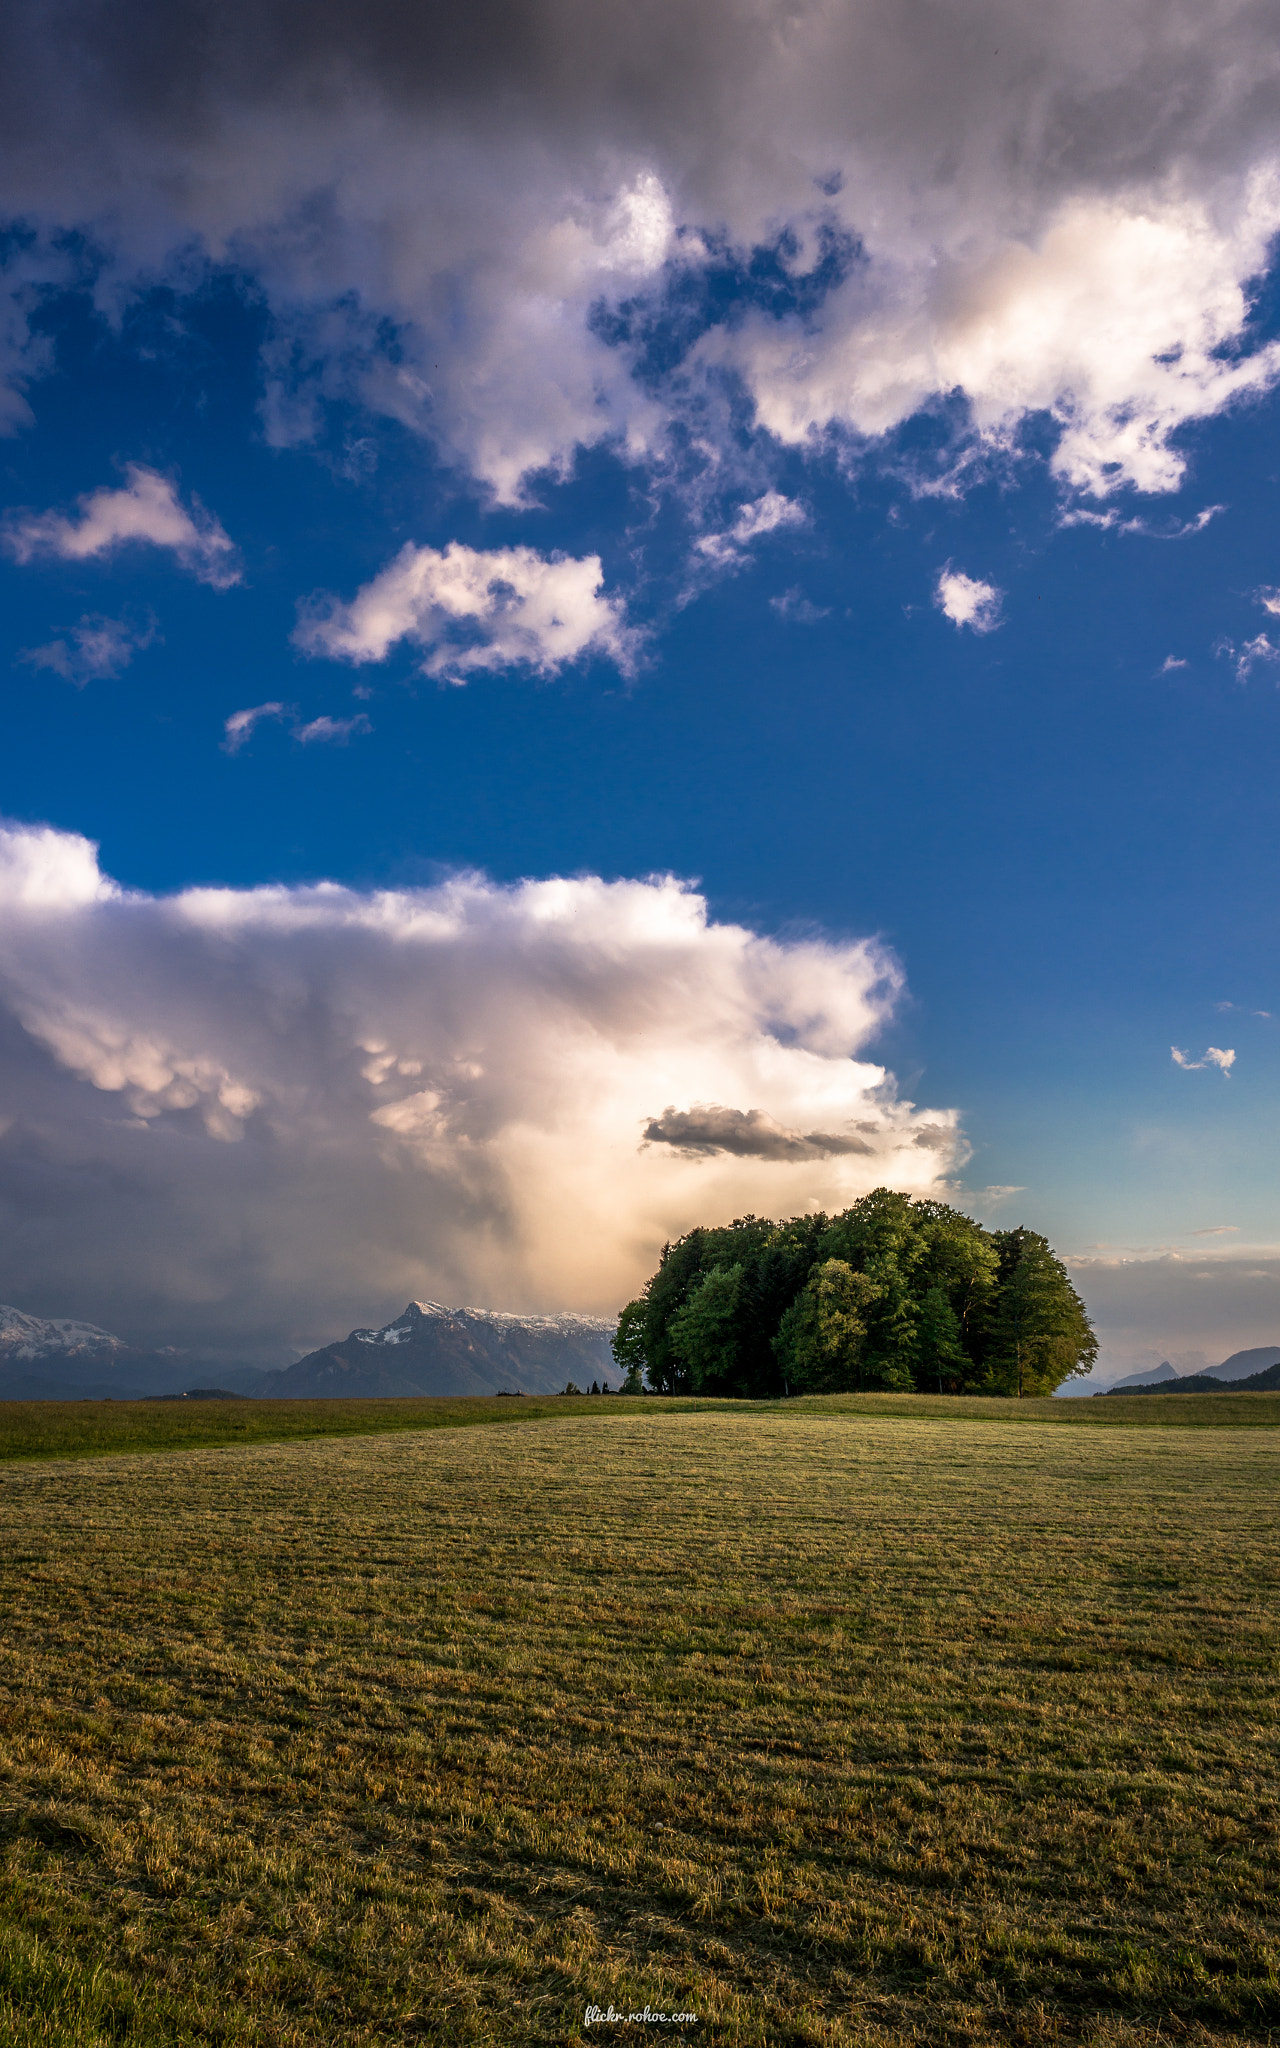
(431, 1349)
(1144, 1379)
(1265, 1381)
(1243, 1365)
(58, 1359)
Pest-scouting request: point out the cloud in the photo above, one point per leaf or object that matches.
(1243, 1010)
(747, 1134)
(1215, 1230)
(1170, 663)
(799, 610)
(967, 602)
(147, 510)
(1245, 659)
(93, 650)
(471, 610)
(547, 228)
(241, 725)
(336, 731)
(262, 1116)
(1194, 1308)
(771, 513)
(1213, 1056)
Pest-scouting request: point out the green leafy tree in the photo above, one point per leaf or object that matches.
(821, 1336)
(706, 1333)
(1042, 1334)
(938, 1336)
(628, 1346)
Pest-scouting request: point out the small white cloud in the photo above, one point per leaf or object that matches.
(1245, 659)
(240, 726)
(147, 509)
(1243, 1010)
(967, 601)
(1214, 1056)
(1170, 663)
(794, 605)
(1215, 1230)
(96, 648)
(1169, 529)
(473, 609)
(1269, 599)
(771, 513)
(338, 730)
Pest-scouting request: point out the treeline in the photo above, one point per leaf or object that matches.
(894, 1294)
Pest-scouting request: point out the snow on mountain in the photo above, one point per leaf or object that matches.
(30, 1338)
(433, 1349)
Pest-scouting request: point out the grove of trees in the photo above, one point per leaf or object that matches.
(894, 1293)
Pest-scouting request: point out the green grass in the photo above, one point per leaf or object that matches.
(99, 1429)
(830, 1723)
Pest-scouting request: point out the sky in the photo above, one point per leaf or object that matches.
(615, 617)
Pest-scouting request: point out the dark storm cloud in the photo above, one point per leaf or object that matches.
(746, 1134)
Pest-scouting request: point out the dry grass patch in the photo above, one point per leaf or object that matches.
(831, 1728)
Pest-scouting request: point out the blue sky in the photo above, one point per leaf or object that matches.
(733, 546)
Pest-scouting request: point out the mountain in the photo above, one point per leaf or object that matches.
(58, 1359)
(431, 1349)
(1266, 1381)
(1243, 1365)
(1144, 1379)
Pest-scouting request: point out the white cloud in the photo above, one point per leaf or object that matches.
(1270, 599)
(1044, 210)
(1170, 663)
(472, 609)
(800, 610)
(770, 513)
(146, 510)
(281, 1111)
(241, 725)
(1254, 653)
(1213, 1056)
(93, 650)
(331, 730)
(968, 602)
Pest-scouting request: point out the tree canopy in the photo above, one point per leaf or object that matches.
(894, 1293)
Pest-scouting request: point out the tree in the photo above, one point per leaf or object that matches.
(938, 1336)
(704, 1334)
(820, 1338)
(1042, 1334)
(628, 1346)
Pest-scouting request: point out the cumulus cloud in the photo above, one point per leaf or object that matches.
(1213, 1056)
(93, 650)
(147, 510)
(266, 1115)
(475, 609)
(967, 601)
(546, 227)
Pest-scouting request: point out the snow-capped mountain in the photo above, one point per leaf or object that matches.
(29, 1339)
(431, 1349)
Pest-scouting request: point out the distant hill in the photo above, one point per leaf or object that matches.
(1263, 1382)
(431, 1349)
(1144, 1379)
(1242, 1365)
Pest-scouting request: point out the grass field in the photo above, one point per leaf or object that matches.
(99, 1429)
(855, 1722)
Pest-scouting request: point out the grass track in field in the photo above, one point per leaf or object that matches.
(837, 1727)
(99, 1429)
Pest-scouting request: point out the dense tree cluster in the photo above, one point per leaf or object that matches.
(894, 1293)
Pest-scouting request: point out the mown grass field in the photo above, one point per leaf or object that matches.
(855, 1722)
